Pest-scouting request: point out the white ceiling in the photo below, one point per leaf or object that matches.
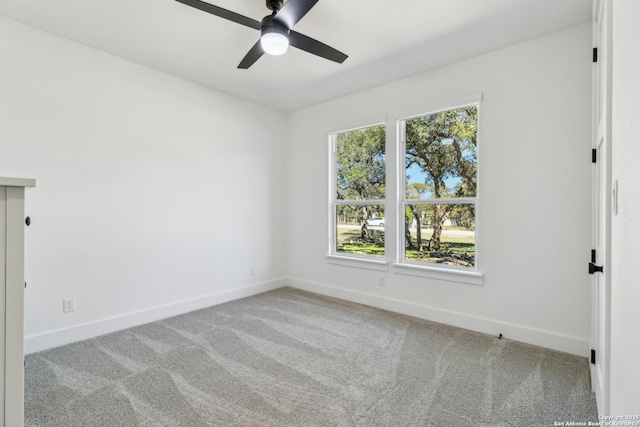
(385, 40)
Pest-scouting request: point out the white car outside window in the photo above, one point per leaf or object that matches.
(376, 221)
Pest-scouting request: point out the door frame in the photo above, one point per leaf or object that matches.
(601, 205)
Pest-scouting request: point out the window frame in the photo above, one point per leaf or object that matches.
(342, 258)
(402, 265)
(395, 193)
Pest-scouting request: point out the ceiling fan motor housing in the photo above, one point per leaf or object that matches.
(269, 25)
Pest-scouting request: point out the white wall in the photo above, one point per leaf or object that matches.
(154, 195)
(534, 216)
(625, 269)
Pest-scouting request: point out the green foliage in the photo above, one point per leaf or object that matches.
(464, 216)
(362, 249)
(350, 241)
(361, 164)
(416, 190)
(444, 145)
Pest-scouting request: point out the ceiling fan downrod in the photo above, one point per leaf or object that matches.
(274, 5)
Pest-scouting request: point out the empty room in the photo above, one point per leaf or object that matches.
(319, 213)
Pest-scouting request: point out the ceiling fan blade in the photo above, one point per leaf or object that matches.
(252, 56)
(293, 11)
(315, 47)
(223, 13)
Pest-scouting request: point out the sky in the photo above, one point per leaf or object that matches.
(416, 174)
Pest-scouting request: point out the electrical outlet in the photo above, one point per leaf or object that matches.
(68, 304)
(252, 271)
(382, 280)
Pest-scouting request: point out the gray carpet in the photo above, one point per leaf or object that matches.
(291, 358)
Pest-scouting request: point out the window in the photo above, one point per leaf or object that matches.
(358, 192)
(439, 194)
(429, 226)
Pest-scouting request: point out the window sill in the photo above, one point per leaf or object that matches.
(470, 277)
(366, 263)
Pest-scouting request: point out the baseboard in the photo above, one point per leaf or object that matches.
(47, 340)
(51, 339)
(513, 332)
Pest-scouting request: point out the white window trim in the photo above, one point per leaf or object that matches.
(470, 275)
(358, 261)
(371, 262)
(436, 107)
(448, 273)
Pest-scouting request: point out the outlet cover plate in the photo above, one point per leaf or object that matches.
(68, 305)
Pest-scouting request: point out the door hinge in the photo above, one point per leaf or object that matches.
(593, 356)
(595, 54)
(595, 268)
(594, 155)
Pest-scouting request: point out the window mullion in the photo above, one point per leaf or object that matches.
(342, 202)
(447, 201)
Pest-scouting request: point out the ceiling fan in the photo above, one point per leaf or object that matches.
(276, 32)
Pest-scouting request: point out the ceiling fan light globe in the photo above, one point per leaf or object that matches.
(274, 43)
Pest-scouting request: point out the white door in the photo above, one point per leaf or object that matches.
(600, 257)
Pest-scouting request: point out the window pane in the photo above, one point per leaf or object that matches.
(360, 157)
(360, 230)
(440, 234)
(441, 154)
